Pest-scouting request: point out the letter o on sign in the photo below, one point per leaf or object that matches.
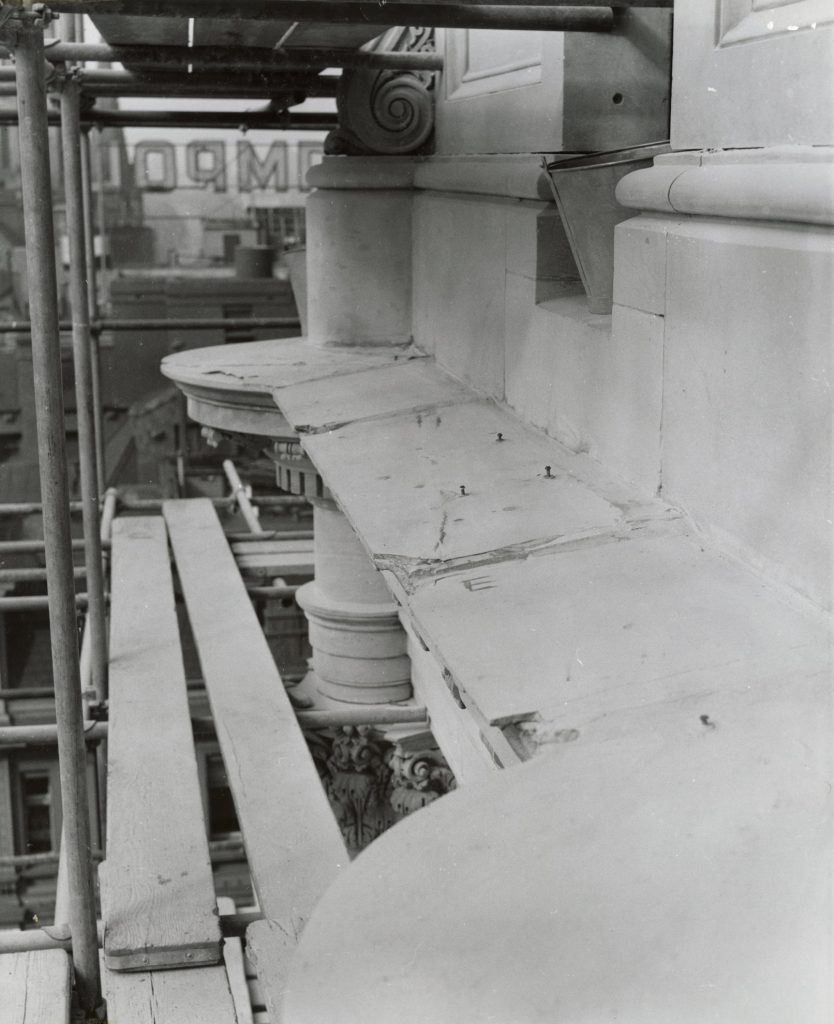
(156, 166)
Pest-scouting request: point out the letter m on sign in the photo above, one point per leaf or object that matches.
(255, 172)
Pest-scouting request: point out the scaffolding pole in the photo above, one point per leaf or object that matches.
(269, 119)
(162, 323)
(241, 496)
(84, 400)
(24, 30)
(92, 303)
(543, 16)
(248, 58)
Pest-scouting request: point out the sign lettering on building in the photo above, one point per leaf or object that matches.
(215, 165)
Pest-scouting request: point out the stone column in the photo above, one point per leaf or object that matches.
(359, 647)
(359, 251)
(359, 282)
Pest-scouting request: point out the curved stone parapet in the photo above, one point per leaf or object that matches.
(671, 865)
(789, 185)
(231, 387)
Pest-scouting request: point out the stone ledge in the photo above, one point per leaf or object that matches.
(363, 172)
(534, 581)
(230, 387)
(541, 583)
(512, 176)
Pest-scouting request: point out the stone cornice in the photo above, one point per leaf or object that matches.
(363, 173)
(511, 176)
(786, 185)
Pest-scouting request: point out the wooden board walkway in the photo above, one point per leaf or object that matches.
(35, 987)
(293, 844)
(197, 996)
(159, 907)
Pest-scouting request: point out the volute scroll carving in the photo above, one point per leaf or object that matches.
(385, 112)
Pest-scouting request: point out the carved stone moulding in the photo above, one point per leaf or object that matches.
(294, 472)
(373, 782)
(385, 112)
(359, 650)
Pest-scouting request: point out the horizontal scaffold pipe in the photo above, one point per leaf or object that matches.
(169, 82)
(43, 735)
(243, 58)
(35, 575)
(356, 716)
(55, 937)
(108, 81)
(272, 501)
(546, 17)
(23, 860)
(26, 547)
(288, 93)
(33, 603)
(28, 693)
(260, 119)
(27, 508)
(266, 9)
(169, 324)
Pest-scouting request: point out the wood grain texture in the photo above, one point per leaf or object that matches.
(200, 995)
(293, 845)
(235, 963)
(158, 905)
(35, 987)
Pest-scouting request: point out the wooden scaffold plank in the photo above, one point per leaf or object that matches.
(158, 901)
(198, 996)
(293, 844)
(35, 987)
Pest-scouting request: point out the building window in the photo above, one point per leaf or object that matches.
(285, 226)
(36, 793)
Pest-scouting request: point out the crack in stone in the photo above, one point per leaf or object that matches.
(412, 572)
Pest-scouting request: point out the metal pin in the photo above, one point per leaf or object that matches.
(463, 490)
(499, 437)
(547, 472)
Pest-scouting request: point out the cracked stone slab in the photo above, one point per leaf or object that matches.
(321, 405)
(263, 366)
(600, 627)
(455, 481)
(231, 386)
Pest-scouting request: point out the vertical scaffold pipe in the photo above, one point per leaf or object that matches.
(27, 36)
(82, 356)
(92, 302)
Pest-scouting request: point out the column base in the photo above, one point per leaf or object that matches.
(359, 650)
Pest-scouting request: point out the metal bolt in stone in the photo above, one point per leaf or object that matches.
(547, 472)
(463, 490)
